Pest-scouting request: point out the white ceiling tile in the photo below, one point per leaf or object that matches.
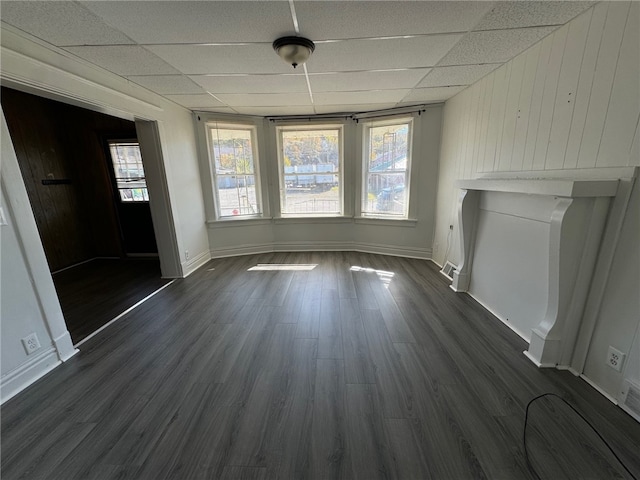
(341, 20)
(265, 99)
(61, 23)
(495, 46)
(460, 75)
(164, 84)
(196, 101)
(272, 111)
(530, 14)
(124, 59)
(197, 21)
(204, 59)
(437, 94)
(344, 82)
(350, 55)
(355, 98)
(320, 109)
(253, 83)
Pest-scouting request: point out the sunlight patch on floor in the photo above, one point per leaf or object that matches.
(383, 275)
(283, 266)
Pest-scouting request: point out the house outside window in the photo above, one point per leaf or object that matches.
(234, 159)
(387, 169)
(311, 169)
(128, 171)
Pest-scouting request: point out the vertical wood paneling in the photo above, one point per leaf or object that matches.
(549, 98)
(482, 148)
(585, 84)
(511, 114)
(567, 87)
(524, 106)
(625, 97)
(471, 132)
(497, 100)
(481, 87)
(502, 105)
(536, 102)
(602, 83)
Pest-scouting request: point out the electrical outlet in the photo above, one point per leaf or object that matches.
(186, 254)
(615, 359)
(31, 343)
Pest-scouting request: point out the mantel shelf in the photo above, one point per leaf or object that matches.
(556, 187)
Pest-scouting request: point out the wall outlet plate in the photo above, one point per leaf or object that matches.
(615, 359)
(31, 343)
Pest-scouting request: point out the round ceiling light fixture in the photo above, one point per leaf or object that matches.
(294, 50)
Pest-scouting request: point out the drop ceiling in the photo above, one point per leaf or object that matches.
(217, 55)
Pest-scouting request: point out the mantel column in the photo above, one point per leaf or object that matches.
(467, 214)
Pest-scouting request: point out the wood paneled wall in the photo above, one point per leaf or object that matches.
(571, 101)
(76, 221)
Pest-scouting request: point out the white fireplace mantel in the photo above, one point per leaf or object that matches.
(576, 219)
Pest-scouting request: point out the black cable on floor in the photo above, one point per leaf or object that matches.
(524, 434)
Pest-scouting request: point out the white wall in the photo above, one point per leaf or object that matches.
(396, 237)
(28, 302)
(28, 66)
(570, 102)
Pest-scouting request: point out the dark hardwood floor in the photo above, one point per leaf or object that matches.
(365, 367)
(93, 293)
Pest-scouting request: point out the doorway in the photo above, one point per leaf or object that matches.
(66, 171)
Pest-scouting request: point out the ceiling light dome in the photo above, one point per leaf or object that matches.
(294, 50)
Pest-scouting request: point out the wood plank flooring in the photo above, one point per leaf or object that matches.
(93, 293)
(364, 367)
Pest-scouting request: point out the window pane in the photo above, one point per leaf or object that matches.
(129, 171)
(311, 163)
(232, 151)
(234, 171)
(387, 170)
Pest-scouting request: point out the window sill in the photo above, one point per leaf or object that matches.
(318, 219)
(391, 222)
(238, 222)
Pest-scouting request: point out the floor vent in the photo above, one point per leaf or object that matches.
(631, 399)
(448, 270)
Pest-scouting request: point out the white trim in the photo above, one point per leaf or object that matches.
(238, 222)
(380, 249)
(536, 362)
(390, 222)
(196, 262)
(238, 250)
(28, 373)
(552, 187)
(598, 389)
(288, 220)
(499, 317)
(115, 319)
(69, 94)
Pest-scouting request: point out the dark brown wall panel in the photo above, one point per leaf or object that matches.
(77, 220)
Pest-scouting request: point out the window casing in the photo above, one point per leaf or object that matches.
(387, 168)
(128, 170)
(311, 170)
(233, 156)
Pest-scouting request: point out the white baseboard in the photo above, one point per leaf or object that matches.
(495, 314)
(599, 389)
(195, 263)
(248, 249)
(29, 372)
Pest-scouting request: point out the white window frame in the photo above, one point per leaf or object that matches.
(365, 167)
(212, 126)
(124, 183)
(341, 167)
